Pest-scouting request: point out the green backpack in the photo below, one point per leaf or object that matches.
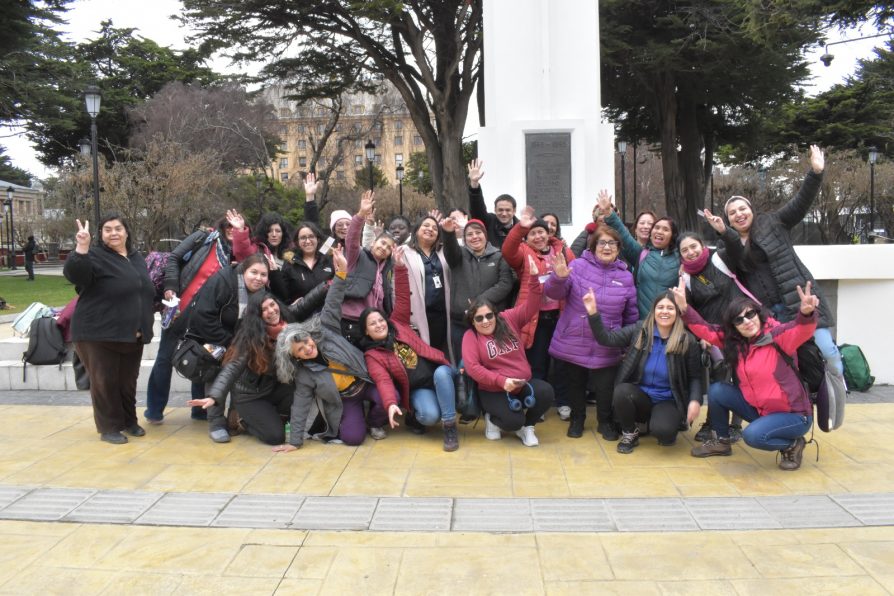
(856, 368)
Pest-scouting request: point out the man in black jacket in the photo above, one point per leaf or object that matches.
(30, 248)
(501, 221)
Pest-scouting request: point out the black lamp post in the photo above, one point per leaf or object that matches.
(622, 149)
(92, 98)
(873, 157)
(10, 191)
(370, 155)
(400, 186)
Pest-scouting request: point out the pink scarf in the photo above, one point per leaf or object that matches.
(698, 265)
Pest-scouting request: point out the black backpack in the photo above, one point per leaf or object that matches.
(45, 344)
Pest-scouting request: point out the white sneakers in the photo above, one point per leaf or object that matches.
(491, 430)
(564, 412)
(527, 436)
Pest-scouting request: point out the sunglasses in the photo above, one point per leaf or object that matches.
(484, 317)
(748, 314)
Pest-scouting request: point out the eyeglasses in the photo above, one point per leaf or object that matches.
(485, 317)
(748, 314)
(306, 238)
(608, 243)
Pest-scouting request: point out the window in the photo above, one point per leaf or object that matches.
(283, 163)
(302, 129)
(358, 144)
(340, 175)
(302, 144)
(399, 158)
(357, 108)
(417, 140)
(377, 141)
(284, 176)
(356, 127)
(285, 112)
(358, 159)
(320, 128)
(378, 158)
(321, 162)
(302, 162)
(398, 141)
(398, 125)
(283, 147)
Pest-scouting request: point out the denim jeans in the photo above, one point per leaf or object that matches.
(771, 432)
(159, 387)
(430, 406)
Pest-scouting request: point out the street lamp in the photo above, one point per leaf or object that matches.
(92, 98)
(10, 191)
(622, 149)
(370, 155)
(84, 145)
(873, 157)
(400, 185)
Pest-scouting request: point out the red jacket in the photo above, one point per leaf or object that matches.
(385, 368)
(516, 253)
(765, 379)
(490, 365)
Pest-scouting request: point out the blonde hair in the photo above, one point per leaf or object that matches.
(677, 341)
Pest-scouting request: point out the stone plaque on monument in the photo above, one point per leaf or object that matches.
(548, 173)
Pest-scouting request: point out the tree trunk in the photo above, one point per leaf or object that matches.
(665, 107)
(691, 167)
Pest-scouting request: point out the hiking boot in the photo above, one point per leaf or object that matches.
(451, 437)
(704, 433)
(491, 431)
(115, 438)
(628, 441)
(527, 436)
(608, 431)
(791, 457)
(576, 427)
(713, 447)
(735, 433)
(377, 432)
(564, 412)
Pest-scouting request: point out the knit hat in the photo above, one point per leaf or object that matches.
(539, 223)
(337, 215)
(478, 223)
(591, 227)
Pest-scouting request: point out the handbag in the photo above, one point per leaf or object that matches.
(466, 397)
(193, 362)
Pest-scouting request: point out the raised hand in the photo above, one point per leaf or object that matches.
(679, 293)
(589, 300)
(817, 159)
(533, 269)
(235, 219)
(476, 172)
(715, 221)
(397, 257)
(435, 215)
(311, 186)
(367, 204)
(528, 217)
(393, 411)
(560, 266)
(460, 219)
(271, 262)
(604, 202)
(82, 238)
(448, 225)
(809, 302)
(338, 260)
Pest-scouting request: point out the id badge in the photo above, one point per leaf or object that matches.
(324, 249)
(436, 280)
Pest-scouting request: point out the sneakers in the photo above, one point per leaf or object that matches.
(564, 412)
(135, 430)
(791, 457)
(704, 433)
(219, 435)
(527, 436)
(735, 433)
(113, 438)
(451, 437)
(576, 427)
(628, 441)
(712, 447)
(377, 432)
(491, 431)
(608, 431)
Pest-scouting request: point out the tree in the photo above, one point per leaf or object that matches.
(696, 74)
(429, 50)
(361, 178)
(10, 173)
(418, 175)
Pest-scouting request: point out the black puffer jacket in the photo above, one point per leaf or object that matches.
(684, 370)
(297, 279)
(711, 290)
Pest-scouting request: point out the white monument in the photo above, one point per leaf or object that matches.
(545, 142)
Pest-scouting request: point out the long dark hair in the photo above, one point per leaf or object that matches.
(734, 343)
(674, 231)
(503, 335)
(264, 224)
(414, 243)
(558, 224)
(110, 216)
(251, 338)
(367, 343)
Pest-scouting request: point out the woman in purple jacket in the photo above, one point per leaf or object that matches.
(600, 269)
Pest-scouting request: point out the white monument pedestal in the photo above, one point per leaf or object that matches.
(541, 76)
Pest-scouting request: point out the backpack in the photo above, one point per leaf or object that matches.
(156, 262)
(827, 390)
(45, 344)
(856, 368)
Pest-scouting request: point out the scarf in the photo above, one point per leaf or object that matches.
(367, 343)
(273, 330)
(698, 265)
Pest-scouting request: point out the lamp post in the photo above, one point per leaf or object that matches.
(400, 185)
(635, 212)
(370, 155)
(92, 98)
(84, 145)
(10, 191)
(873, 157)
(622, 149)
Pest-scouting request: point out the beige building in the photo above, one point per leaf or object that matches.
(382, 119)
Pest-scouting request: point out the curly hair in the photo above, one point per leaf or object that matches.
(251, 339)
(294, 332)
(263, 228)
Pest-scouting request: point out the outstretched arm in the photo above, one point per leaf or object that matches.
(793, 212)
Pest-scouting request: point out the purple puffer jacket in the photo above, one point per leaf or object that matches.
(616, 298)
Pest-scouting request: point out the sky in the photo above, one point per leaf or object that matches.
(152, 20)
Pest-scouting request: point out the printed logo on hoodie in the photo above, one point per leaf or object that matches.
(493, 350)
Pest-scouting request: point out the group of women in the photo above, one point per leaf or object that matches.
(339, 338)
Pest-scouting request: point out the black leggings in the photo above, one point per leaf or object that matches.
(578, 379)
(264, 417)
(632, 405)
(497, 405)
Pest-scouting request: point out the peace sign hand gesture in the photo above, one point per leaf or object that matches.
(715, 221)
(809, 302)
(82, 238)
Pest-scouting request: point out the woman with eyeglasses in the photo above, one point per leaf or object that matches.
(770, 267)
(600, 270)
(766, 392)
(494, 357)
(305, 270)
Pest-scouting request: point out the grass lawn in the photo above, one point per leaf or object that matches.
(52, 290)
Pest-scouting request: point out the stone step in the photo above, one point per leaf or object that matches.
(52, 377)
(13, 348)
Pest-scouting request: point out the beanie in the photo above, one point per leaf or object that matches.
(476, 222)
(337, 215)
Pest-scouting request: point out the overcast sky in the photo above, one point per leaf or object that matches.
(152, 20)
